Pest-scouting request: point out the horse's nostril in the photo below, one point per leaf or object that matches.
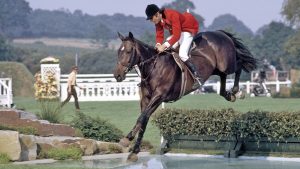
(119, 78)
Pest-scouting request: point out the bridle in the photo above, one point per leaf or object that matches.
(131, 61)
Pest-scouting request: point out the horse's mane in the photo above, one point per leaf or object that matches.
(145, 45)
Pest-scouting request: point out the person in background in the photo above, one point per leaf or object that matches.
(182, 27)
(71, 88)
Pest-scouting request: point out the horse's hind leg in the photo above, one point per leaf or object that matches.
(235, 88)
(226, 94)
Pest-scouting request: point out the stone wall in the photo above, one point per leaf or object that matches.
(21, 147)
(15, 118)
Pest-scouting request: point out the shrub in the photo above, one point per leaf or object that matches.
(227, 122)
(173, 122)
(64, 153)
(4, 158)
(50, 110)
(96, 128)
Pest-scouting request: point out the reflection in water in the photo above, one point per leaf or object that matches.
(172, 162)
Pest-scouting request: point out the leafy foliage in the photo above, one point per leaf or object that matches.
(63, 23)
(227, 122)
(96, 128)
(270, 44)
(291, 11)
(98, 62)
(229, 21)
(182, 6)
(5, 49)
(13, 16)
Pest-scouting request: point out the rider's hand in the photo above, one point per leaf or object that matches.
(157, 45)
(161, 48)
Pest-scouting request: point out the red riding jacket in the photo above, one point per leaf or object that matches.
(176, 23)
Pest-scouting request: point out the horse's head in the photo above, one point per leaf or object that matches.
(127, 57)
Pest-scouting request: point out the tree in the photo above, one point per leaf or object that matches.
(291, 11)
(270, 44)
(183, 6)
(5, 50)
(148, 38)
(229, 21)
(13, 15)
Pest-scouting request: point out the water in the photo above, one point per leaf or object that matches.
(180, 162)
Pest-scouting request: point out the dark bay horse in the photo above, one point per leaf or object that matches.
(215, 53)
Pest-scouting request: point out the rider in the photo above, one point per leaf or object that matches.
(182, 28)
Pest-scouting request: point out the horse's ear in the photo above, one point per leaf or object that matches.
(121, 36)
(131, 36)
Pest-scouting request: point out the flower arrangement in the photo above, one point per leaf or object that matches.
(47, 88)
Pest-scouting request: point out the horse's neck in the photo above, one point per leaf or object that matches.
(147, 57)
(146, 52)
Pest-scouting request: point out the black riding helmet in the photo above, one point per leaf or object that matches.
(151, 10)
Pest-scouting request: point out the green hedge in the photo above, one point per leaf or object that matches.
(228, 122)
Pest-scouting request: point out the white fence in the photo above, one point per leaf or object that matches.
(103, 87)
(248, 85)
(6, 98)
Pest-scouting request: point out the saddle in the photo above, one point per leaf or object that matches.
(185, 71)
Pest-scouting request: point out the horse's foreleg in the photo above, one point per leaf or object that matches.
(130, 136)
(143, 121)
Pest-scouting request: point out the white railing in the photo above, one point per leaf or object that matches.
(248, 85)
(6, 98)
(272, 75)
(103, 87)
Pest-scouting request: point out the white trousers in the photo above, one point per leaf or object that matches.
(185, 42)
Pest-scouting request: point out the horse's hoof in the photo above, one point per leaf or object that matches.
(233, 98)
(132, 157)
(124, 142)
(235, 90)
(240, 95)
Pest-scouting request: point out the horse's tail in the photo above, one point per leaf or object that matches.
(249, 63)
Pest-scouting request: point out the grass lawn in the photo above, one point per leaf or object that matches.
(124, 114)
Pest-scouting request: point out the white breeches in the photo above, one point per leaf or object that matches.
(185, 42)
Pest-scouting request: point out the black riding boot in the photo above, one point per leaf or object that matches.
(192, 67)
